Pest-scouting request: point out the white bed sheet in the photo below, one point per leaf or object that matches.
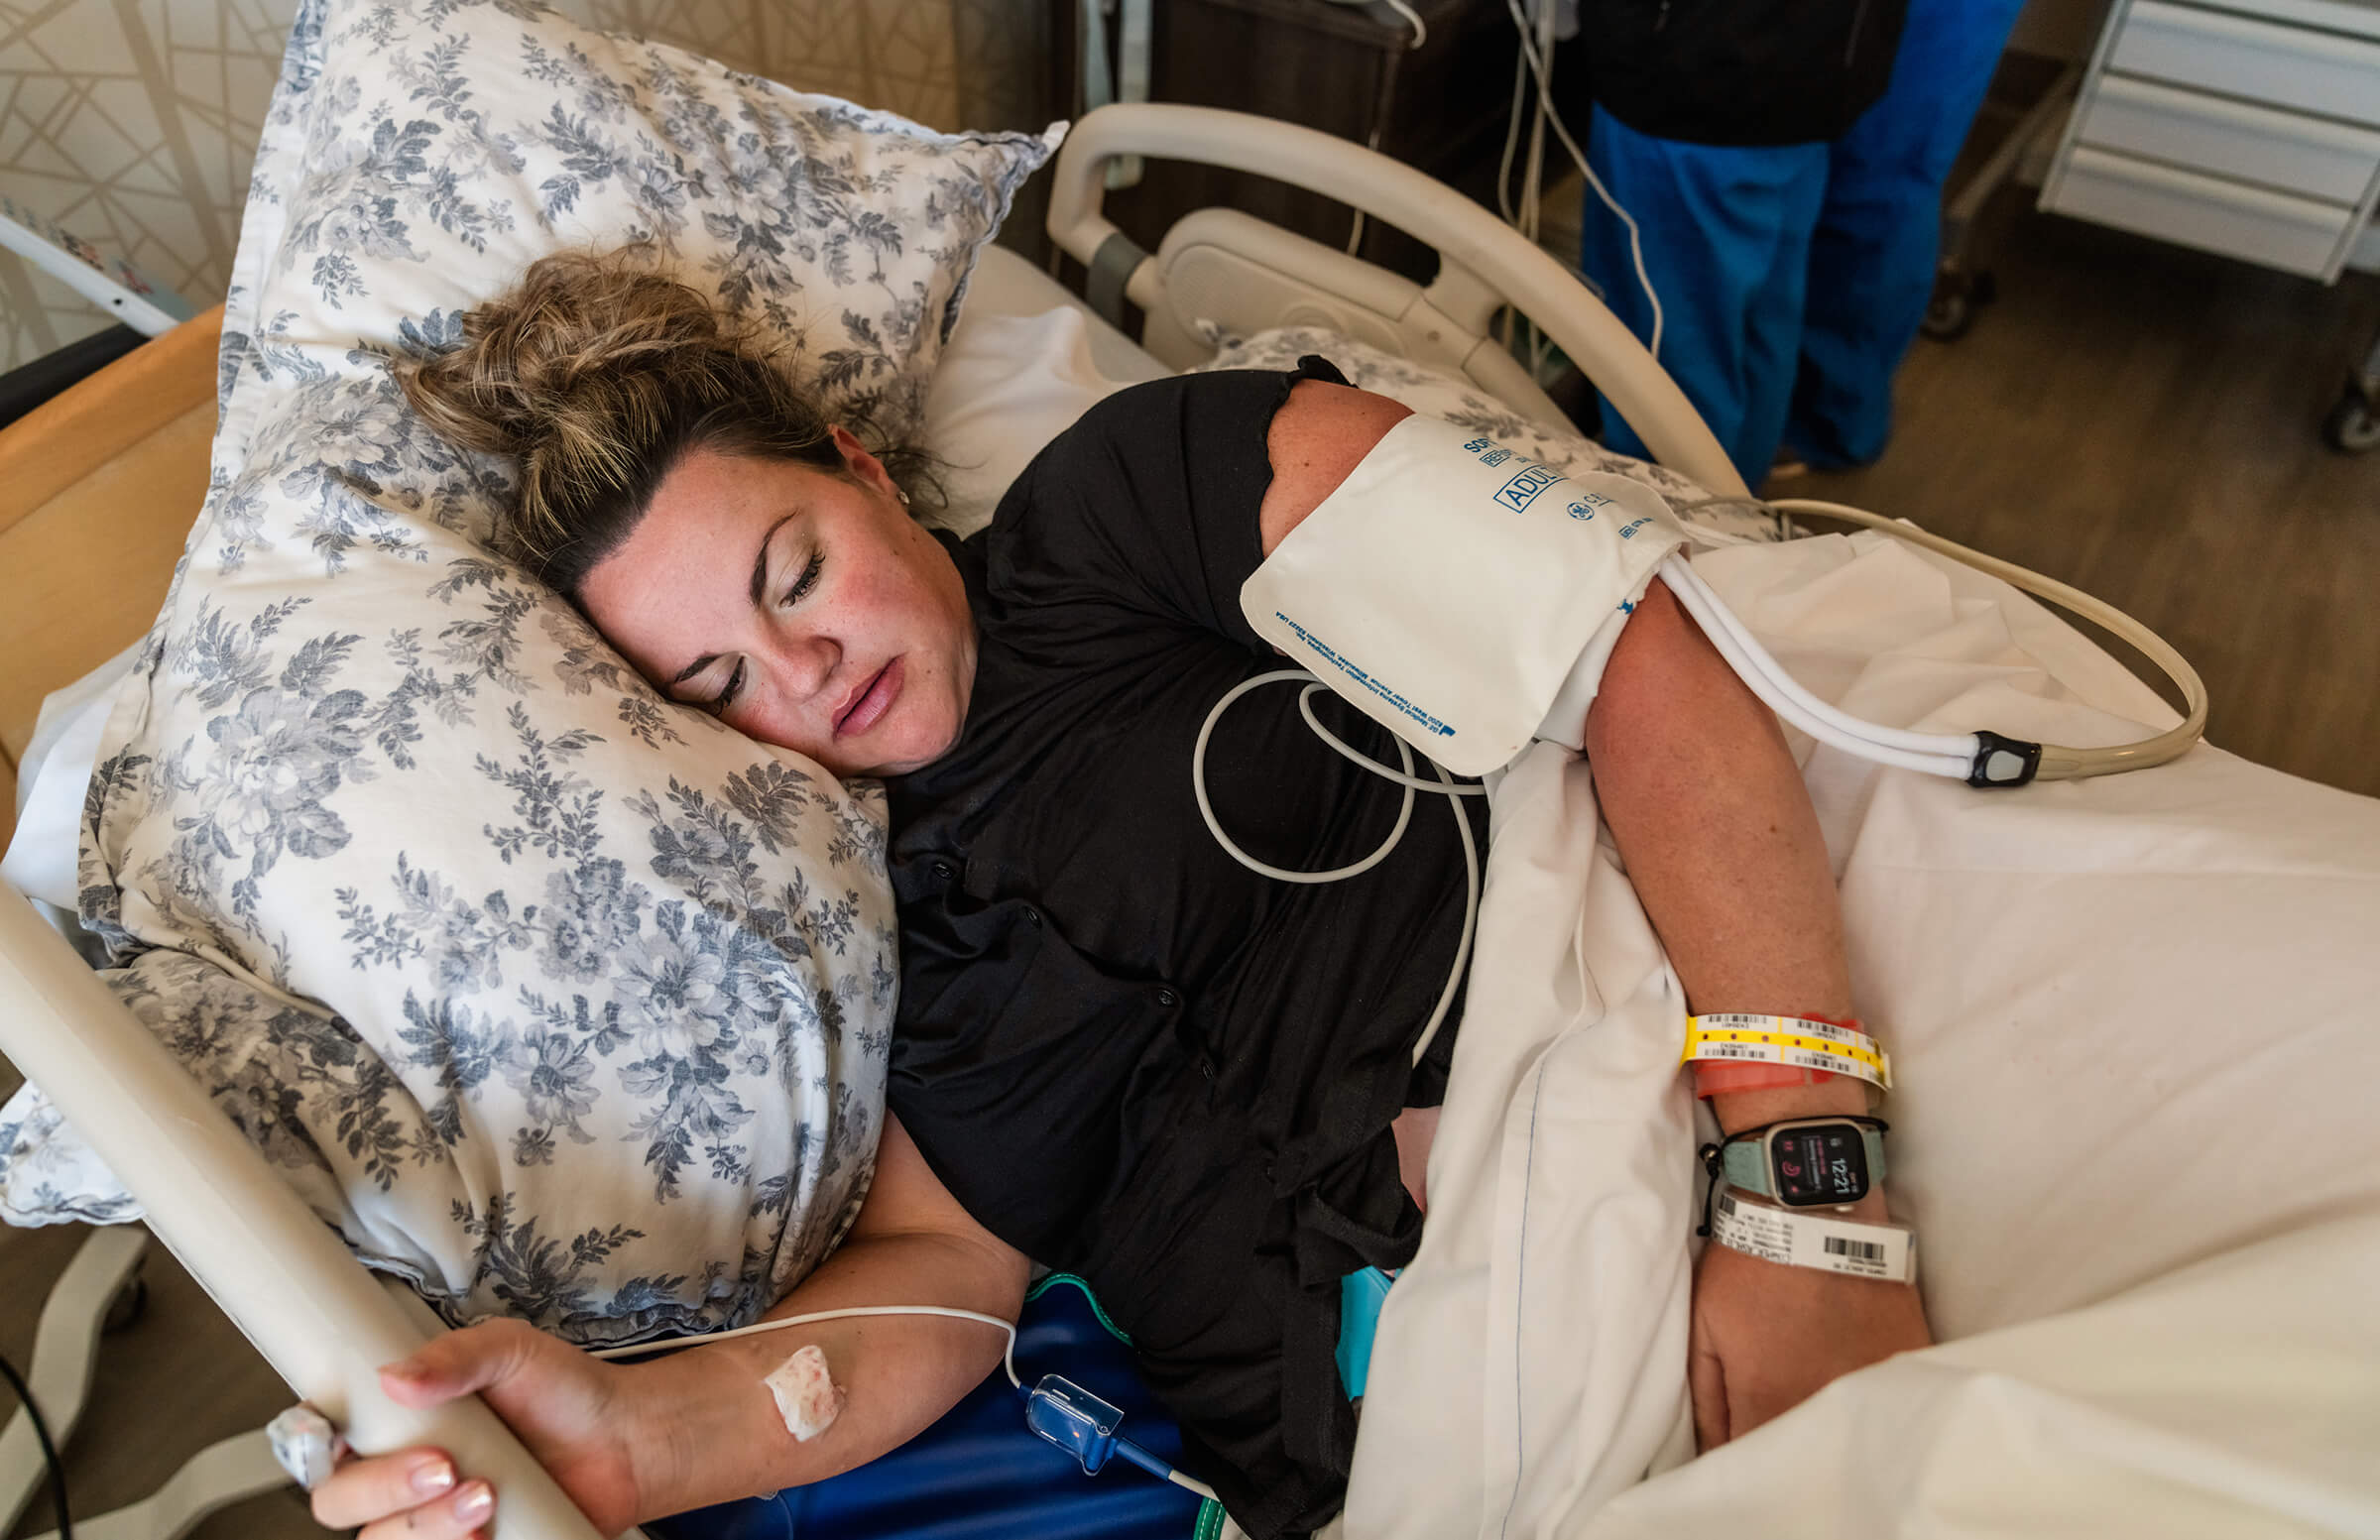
(2135, 1046)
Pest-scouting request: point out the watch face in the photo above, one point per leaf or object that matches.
(1819, 1163)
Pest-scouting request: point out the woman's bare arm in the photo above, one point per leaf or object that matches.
(635, 1442)
(1723, 848)
(912, 1245)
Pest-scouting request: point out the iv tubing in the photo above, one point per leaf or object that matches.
(1007, 1358)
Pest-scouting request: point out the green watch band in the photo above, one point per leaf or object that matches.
(1745, 1161)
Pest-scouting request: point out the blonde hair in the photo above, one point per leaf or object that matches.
(599, 372)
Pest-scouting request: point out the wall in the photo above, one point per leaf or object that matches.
(131, 123)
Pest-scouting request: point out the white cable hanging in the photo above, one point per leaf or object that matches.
(1445, 787)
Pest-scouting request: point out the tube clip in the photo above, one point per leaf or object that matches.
(2002, 761)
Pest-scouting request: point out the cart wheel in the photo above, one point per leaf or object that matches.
(1958, 294)
(129, 1305)
(2353, 428)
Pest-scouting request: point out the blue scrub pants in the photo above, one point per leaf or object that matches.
(1793, 278)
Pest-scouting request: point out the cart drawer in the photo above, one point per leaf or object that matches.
(2276, 229)
(2330, 161)
(2288, 66)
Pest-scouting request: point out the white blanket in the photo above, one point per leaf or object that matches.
(2133, 1029)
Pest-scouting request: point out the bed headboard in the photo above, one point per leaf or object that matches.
(98, 489)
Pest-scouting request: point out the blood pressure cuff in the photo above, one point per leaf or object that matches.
(1459, 594)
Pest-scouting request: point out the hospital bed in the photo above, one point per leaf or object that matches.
(119, 464)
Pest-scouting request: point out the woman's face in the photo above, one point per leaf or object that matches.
(807, 609)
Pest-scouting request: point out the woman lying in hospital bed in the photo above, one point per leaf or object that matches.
(1119, 1050)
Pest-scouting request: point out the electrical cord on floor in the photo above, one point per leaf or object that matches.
(41, 1433)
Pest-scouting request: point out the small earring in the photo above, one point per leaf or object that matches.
(904, 496)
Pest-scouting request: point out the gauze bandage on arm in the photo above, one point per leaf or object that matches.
(807, 1396)
(1462, 595)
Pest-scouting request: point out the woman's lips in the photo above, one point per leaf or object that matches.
(874, 702)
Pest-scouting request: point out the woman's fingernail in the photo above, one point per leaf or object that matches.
(433, 1476)
(477, 1500)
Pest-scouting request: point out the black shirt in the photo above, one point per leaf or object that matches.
(1125, 1053)
(1748, 73)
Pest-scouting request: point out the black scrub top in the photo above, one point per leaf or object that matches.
(1126, 1054)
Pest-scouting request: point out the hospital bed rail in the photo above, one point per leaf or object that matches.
(268, 1264)
(1240, 274)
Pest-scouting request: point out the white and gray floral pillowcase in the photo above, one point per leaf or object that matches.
(556, 999)
(1441, 396)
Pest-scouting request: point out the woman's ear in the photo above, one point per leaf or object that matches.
(863, 467)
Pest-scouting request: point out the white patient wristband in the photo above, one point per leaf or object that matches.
(1797, 1237)
(1460, 594)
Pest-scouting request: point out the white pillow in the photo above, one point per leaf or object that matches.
(51, 778)
(557, 998)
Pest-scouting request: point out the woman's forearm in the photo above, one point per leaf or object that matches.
(1708, 811)
(711, 1429)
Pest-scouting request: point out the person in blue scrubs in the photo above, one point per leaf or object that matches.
(1792, 267)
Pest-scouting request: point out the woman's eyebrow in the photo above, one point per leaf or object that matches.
(760, 562)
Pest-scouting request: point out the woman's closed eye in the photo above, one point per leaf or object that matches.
(804, 583)
(717, 705)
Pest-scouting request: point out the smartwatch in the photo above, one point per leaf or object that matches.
(1806, 1162)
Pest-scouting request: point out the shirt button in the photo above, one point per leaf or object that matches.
(1167, 997)
(944, 871)
(1033, 916)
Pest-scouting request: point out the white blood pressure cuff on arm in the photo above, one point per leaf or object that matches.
(1462, 595)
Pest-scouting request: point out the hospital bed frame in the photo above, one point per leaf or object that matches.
(119, 464)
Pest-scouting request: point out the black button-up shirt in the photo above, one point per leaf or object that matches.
(1123, 1052)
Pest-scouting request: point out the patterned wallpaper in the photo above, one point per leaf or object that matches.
(131, 123)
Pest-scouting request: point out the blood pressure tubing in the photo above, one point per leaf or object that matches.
(1979, 758)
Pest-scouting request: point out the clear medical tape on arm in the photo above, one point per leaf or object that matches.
(1736, 1037)
(1008, 1358)
(1933, 753)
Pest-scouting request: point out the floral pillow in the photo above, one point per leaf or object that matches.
(1456, 401)
(557, 998)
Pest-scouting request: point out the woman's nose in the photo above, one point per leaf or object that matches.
(809, 662)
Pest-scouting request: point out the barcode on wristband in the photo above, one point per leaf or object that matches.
(1858, 1251)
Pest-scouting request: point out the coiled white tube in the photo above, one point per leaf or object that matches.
(1446, 786)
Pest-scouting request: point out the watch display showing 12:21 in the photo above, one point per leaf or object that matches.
(1819, 1164)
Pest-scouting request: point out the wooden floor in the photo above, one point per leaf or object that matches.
(2141, 421)
(2135, 419)
(173, 1381)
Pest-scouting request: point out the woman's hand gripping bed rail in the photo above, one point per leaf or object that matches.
(631, 1442)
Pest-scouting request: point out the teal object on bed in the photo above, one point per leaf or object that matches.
(1360, 1296)
(979, 1474)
